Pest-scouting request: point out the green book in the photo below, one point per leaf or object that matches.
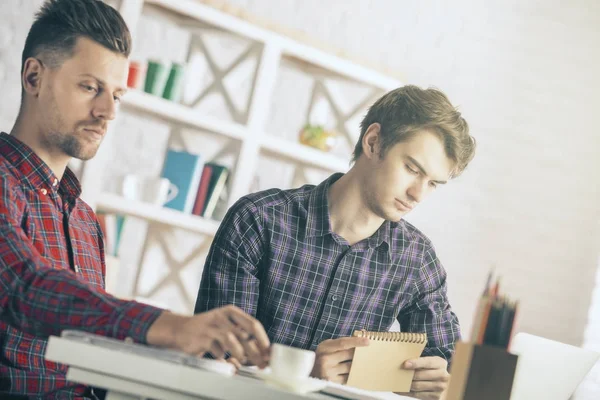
(218, 179)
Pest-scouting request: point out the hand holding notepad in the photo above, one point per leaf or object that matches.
(379, 365)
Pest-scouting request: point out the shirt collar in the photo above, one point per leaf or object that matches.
(319, 224)
(35, 171)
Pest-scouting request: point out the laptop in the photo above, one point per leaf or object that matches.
(547, 369)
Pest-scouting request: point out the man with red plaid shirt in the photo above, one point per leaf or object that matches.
(74, 69)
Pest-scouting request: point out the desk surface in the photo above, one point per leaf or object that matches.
(238, 388)
(141, 377)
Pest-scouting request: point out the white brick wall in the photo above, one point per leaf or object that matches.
(524, 74)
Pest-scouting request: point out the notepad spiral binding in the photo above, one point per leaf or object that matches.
(404, 337)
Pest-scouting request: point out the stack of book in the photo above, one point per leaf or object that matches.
(200, 184)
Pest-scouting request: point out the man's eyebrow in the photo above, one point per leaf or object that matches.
(420, 167)
(102, 83)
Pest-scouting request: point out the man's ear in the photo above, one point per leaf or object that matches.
(32, 76)
(371, 141)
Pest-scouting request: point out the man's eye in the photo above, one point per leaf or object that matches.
(433, 184)
(89, 88)
(412, 171)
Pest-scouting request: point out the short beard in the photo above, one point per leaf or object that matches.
(68, 144)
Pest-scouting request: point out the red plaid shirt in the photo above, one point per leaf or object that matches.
(51, 274)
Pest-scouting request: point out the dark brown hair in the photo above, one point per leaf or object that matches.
(59, 23)
(409, 109)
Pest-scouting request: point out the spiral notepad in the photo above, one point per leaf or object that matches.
(379, 365)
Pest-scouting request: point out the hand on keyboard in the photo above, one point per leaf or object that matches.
(234, 361)
(225, 329)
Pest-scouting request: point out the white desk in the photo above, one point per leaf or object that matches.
(237, 387)
(128, 377)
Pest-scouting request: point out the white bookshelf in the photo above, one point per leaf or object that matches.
(292, 151)
(202, 12)
(116, 204)
(252, 133)
(300, 153)
(174, 112)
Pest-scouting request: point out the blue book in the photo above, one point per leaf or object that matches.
(184, 170)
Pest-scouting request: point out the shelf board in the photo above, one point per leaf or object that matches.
(202, 12)
(176, 112)
(282, 148)
(303, 154)
(119, 205)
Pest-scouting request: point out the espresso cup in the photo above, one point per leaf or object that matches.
(290, 363)
(154, 190)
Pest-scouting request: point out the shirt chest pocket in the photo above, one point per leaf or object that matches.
(87, 252)
(45, 230)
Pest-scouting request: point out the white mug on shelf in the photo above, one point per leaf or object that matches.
(154, 190)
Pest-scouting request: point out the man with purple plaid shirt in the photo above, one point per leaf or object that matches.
(316, 263)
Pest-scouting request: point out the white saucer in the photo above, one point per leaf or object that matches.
(302, 386)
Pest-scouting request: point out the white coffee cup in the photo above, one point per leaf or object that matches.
(290, 363)
(154, 190)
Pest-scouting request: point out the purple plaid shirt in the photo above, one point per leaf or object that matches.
(276, 257)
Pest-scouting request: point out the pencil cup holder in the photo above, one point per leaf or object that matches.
(481, 372)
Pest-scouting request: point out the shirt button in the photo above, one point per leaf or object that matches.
(334, 297)
(55, 182)
(76, 268)
(44, 192)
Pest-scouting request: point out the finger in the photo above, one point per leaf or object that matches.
(342, 379)
(241, 333)
(229, 342)
(225, 322)
(254, 354)
(428, 386)
(431, 375)
(252, 350)
(341, 369)
(345, 343)
(250, 325)
(235, 362)
(216, 350)
(426, 363)
(340, 357)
